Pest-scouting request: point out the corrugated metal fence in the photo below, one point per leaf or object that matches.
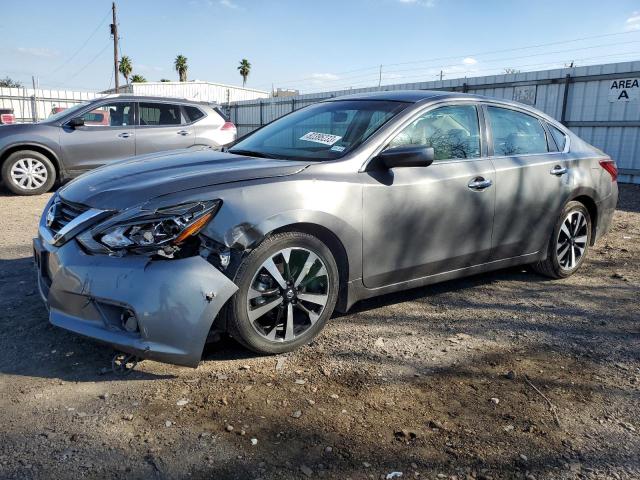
(589, 100)
(31, 105)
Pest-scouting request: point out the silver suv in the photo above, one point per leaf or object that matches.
(102, 131)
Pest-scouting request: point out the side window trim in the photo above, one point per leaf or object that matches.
(98, 105)
(423, 112)
(567, 138)
(491, 152)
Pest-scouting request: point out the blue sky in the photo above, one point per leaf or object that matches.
(311, 45)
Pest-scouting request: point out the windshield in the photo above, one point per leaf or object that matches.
(324, 131)
(63, 113)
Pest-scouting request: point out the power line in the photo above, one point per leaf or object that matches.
(89, 62)
(371, 82)
(83, 45)
(503, 59)
(376, 67)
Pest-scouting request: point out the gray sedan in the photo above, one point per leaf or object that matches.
(88, 135)
(343, 200)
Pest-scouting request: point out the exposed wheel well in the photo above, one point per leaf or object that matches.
(35, 148)
(592, 208)
(338, 251)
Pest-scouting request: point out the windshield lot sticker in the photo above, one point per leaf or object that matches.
(324, 138)
(337, 148)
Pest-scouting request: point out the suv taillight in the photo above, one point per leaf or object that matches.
(610, 166)
(7, 118)
(228, 126)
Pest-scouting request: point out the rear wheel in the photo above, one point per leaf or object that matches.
(27, 172)
(288, 288)
(568, 244)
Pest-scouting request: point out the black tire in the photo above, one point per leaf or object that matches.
(46, 172)
(553, 266)
(238, 323)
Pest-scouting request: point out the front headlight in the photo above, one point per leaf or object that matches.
(164, 229)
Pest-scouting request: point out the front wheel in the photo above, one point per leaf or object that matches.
(27, 172)
(288, 287)
(568, 244)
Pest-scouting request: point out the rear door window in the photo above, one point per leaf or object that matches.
(160, 114)
(516, 133)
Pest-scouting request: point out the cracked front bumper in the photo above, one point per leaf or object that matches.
(174, 301)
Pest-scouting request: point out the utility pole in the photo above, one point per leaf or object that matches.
(380, 77)
(441, 75)
(114, 32)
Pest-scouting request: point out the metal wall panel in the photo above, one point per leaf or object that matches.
(28, 104)
(587, 101)
(201, 91)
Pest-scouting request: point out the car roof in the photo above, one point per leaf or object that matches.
(149, 98)
(414, 96)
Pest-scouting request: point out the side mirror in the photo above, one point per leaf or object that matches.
(76, 122)
(407, 156)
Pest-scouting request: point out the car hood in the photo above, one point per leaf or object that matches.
(132, 182)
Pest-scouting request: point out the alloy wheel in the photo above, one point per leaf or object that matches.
(29, 173)
(288, 294)
(572, 240)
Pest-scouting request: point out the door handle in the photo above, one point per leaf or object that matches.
(184, 133)
(558, 170)
(479, 183)
(125, 135)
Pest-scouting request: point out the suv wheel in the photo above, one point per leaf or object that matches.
(27, 172)
(288, 287)
(568, 244)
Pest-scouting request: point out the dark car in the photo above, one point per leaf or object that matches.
(342, 200)
(88, 135)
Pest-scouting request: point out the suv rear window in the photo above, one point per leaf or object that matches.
(160, 114)
(193, 113)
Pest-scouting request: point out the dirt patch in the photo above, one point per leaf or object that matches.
(436, 382)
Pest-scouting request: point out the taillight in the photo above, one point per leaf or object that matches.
(610, 166)
(7, 118)
(228, 126)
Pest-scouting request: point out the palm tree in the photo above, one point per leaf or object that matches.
(180, 64)
(138, 79)
(244, 68)
(125, 68)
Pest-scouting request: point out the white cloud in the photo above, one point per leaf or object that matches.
(633, 22)
(229, 4)
(147, 68)
(469, 61)
(422, 3)
(37, 52)
(324, 77)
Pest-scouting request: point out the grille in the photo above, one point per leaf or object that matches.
(64, 213)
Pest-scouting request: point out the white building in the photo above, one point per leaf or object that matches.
(195, 90)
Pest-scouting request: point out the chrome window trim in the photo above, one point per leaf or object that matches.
(421, 111)
(540, 118)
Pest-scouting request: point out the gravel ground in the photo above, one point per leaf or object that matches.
(502, 375)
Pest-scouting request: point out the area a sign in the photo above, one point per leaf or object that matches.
(624, 90)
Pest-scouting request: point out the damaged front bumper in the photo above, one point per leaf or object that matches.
(173, 302)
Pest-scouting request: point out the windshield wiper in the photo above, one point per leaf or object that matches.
(251, 153)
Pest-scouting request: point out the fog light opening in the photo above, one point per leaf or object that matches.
(129, 321)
